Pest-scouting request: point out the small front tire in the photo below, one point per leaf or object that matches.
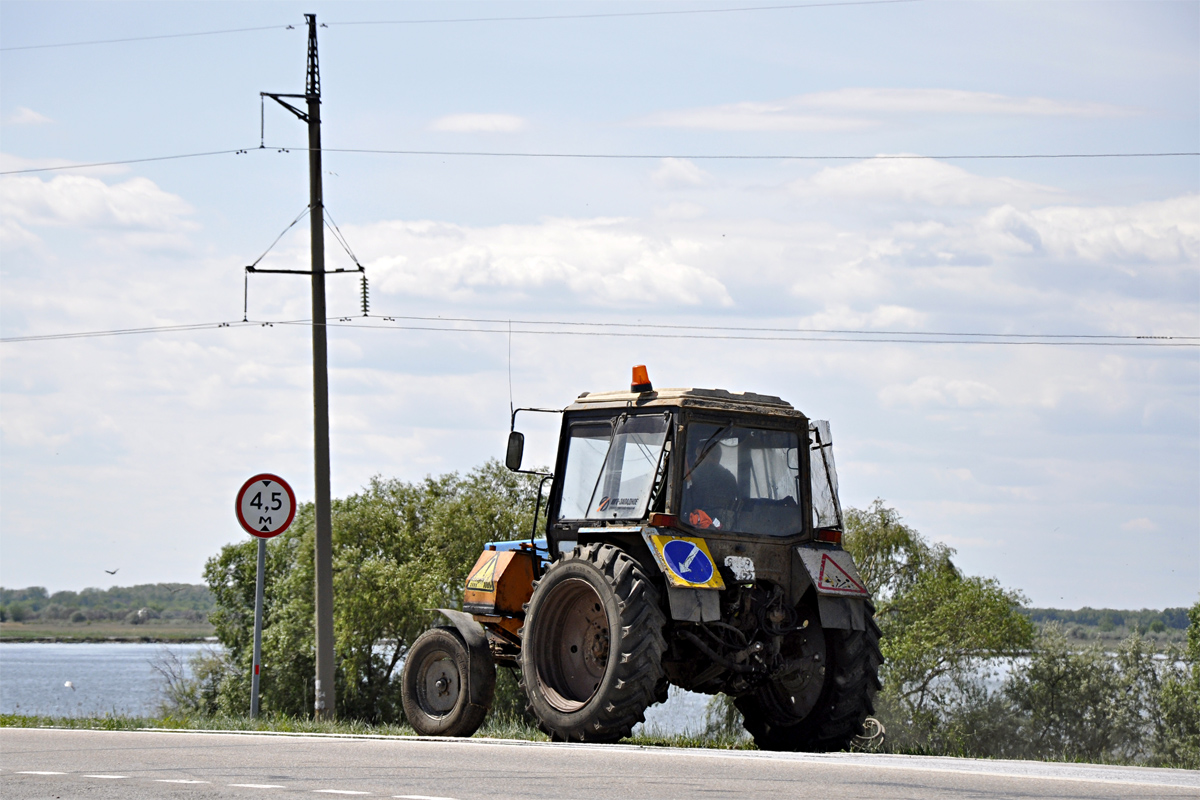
(435, 685)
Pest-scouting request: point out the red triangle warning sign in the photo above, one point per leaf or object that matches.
(835, 579)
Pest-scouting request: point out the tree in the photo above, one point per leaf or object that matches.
(939, 626)
(938, 632)
(890, 555)
(1067, 700)
(400, 549)
(1178, 738)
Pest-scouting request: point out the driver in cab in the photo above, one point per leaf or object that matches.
(709, 489)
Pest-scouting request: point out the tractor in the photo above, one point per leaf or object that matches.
(692, 537)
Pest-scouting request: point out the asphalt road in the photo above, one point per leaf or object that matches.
(129, 765)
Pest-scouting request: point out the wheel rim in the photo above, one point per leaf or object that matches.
(438, 684)
(797, 692)
(572, 654)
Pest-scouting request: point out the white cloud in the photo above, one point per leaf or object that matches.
(26, 116)
(1139, 525)
(679, 173)
(479, 123)
(856, 109)
(678, 211)
(1165, 231)
(950, 101)
(882, 317)
(918, 180)
(596, 261)
(753, 117)
(934, 390)
(82, 201)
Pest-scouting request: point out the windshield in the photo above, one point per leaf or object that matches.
(742, 479)
(611, 467)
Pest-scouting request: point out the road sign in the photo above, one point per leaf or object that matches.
(265, 506)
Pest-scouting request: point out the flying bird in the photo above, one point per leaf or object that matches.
(113, 571)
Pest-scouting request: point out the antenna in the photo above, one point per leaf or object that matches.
(512, 414)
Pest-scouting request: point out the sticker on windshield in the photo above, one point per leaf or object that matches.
(617, 505)
(686, 561)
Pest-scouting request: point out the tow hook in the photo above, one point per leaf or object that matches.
(741, 656)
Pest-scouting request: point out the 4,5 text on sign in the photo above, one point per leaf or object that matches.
(265, 505)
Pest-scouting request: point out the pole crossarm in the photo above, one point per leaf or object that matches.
(302, 116)
(258, 271)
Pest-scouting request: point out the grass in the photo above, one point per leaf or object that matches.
(109, 631)
(493, 728)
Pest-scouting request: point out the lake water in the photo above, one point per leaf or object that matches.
(118, 679)
(684, 712)
(108, 678)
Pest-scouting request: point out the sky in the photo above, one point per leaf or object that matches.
(1067, 469)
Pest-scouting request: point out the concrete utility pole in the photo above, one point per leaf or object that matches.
(324, 700)
(324, 703)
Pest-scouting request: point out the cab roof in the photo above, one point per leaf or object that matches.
(716, 399)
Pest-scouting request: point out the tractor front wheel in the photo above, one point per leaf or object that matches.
(435, 685)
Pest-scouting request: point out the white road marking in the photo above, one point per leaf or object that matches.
(257, 785)
(165, 780)
(107, 777)
(35, 772)
(337, 791)
(422, 797)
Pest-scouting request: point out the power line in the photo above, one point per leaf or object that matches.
(196, 326)
(451, 20)
(768, 157)
(240, 151)
(147, 38)
(617, 156)
(646, 331)
(860, 331)
(348, 322)
(614, 14)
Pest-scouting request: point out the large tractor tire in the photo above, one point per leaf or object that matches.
(435, 685)
(818, 708)
(592, 645)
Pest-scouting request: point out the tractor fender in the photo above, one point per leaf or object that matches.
(479, 655)
(841, 593)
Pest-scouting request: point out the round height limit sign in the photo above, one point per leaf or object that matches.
(265, 506)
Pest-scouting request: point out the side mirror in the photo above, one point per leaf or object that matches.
(516, 447)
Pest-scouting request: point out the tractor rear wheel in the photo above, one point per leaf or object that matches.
(435, 685)
(591, 655)
(818, 708)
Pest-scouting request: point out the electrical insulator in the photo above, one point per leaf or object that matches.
(366, 298)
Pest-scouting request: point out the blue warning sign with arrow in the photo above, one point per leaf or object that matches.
(686, 561)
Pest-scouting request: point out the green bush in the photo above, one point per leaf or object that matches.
(400, 549)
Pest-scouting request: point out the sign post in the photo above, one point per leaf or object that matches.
(265, 507)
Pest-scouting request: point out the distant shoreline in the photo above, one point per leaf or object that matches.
(106, 640)
(62, 632)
